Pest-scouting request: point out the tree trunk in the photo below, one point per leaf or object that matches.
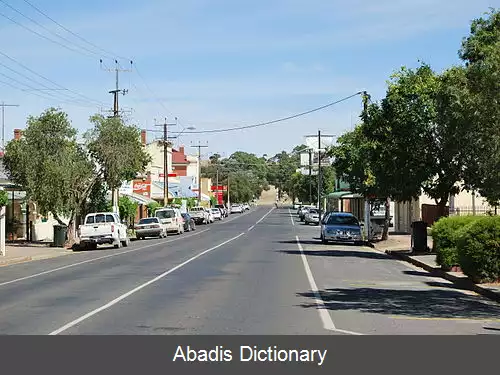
(71, 237)
(441, 207)
(385, 232)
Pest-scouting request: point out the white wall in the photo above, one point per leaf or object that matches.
(192, 168)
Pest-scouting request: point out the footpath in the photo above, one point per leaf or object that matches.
(21, 252)
(399, 246)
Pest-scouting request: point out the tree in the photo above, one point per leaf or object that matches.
(51, 167)
(117, 149)
(127, 208)
(481, 53)
(152, 207)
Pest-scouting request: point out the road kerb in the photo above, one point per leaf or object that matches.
(462, 282)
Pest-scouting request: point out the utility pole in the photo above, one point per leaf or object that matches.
(319, 173)
(310, 176)
(117, 90)
(116, 114)
(366, 98)
(217, 182)
(3, 105)
(165, 159)
(199, 146)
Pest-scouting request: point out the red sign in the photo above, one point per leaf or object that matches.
(142, 187)
(219, 196)
(169, 175)
(219, 188)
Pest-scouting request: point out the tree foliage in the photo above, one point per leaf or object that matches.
(116, 147)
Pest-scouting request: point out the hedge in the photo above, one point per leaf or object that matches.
(479, 250)
(445, 234)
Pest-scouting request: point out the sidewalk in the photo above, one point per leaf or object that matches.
(399, 247)
(25, 252)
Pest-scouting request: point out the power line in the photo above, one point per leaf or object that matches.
(40, 35)
(90, 100)
(273, 121)
(47, 29)
(109, 53)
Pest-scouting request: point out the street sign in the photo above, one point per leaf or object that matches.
(312, 142)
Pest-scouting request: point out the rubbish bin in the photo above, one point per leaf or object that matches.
(60, 235)
(419, 236)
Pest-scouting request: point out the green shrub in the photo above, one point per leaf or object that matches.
(479, 250)
(445, 233)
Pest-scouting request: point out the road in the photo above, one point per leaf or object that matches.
(262, 272)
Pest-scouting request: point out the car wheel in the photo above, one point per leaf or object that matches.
(118, 243)
(126, 242)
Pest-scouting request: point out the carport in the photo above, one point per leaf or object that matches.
(346, 201)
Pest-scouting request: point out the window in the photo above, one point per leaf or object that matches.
(149, 220)
(165, 214)
(342, 220)
(101, 218)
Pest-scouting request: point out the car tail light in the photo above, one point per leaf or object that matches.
(112, 228)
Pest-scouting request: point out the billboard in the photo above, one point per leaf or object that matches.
(143, 188)
(305, 171)
(312, 142)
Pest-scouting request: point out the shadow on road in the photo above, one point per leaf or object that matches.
(338, 253)
(412, 303)
(418, 273)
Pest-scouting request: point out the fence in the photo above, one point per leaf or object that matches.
(469, 210)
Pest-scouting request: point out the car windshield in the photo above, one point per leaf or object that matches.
(342, 220)
(313, 211)
(149, 220)
(185, 216)
(216, 210)
(165, 214)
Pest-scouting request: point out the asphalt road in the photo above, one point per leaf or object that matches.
(262, 272)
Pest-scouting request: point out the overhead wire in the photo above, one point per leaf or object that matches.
(46, 29)
(98, 103)
(270, 122)
(107, 52)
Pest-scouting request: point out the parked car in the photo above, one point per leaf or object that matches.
(211, 218)
(341, 227)
(217, 214)
(297, 205)
(150, 227)
(189, 223)
(223, 208)
(311, 217)
(303, 211)
(246, 206)
(172, 218)
(236, 208)
(199, 215)
(102, 228)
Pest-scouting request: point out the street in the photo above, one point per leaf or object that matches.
(256, 273)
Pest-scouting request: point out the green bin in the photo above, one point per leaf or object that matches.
(60, 235)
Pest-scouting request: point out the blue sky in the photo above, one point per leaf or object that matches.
(220, 63)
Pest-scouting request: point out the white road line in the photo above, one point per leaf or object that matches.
(249, 229)
(96, 259)
(323, 313)
(291, 217)
(263, 217)
(123, 296)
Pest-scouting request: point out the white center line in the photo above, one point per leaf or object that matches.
(323, 313)
(263, 217)
(96, 259)
(291, 217)
(125, 295)
(249, 229)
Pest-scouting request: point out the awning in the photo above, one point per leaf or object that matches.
(139, 198)
(344, 195)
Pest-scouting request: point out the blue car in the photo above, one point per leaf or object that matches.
(341, 227)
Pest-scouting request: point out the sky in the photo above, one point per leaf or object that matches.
(216, 64)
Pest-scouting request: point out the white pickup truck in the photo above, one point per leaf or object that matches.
(199, 215)
(102, 228)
